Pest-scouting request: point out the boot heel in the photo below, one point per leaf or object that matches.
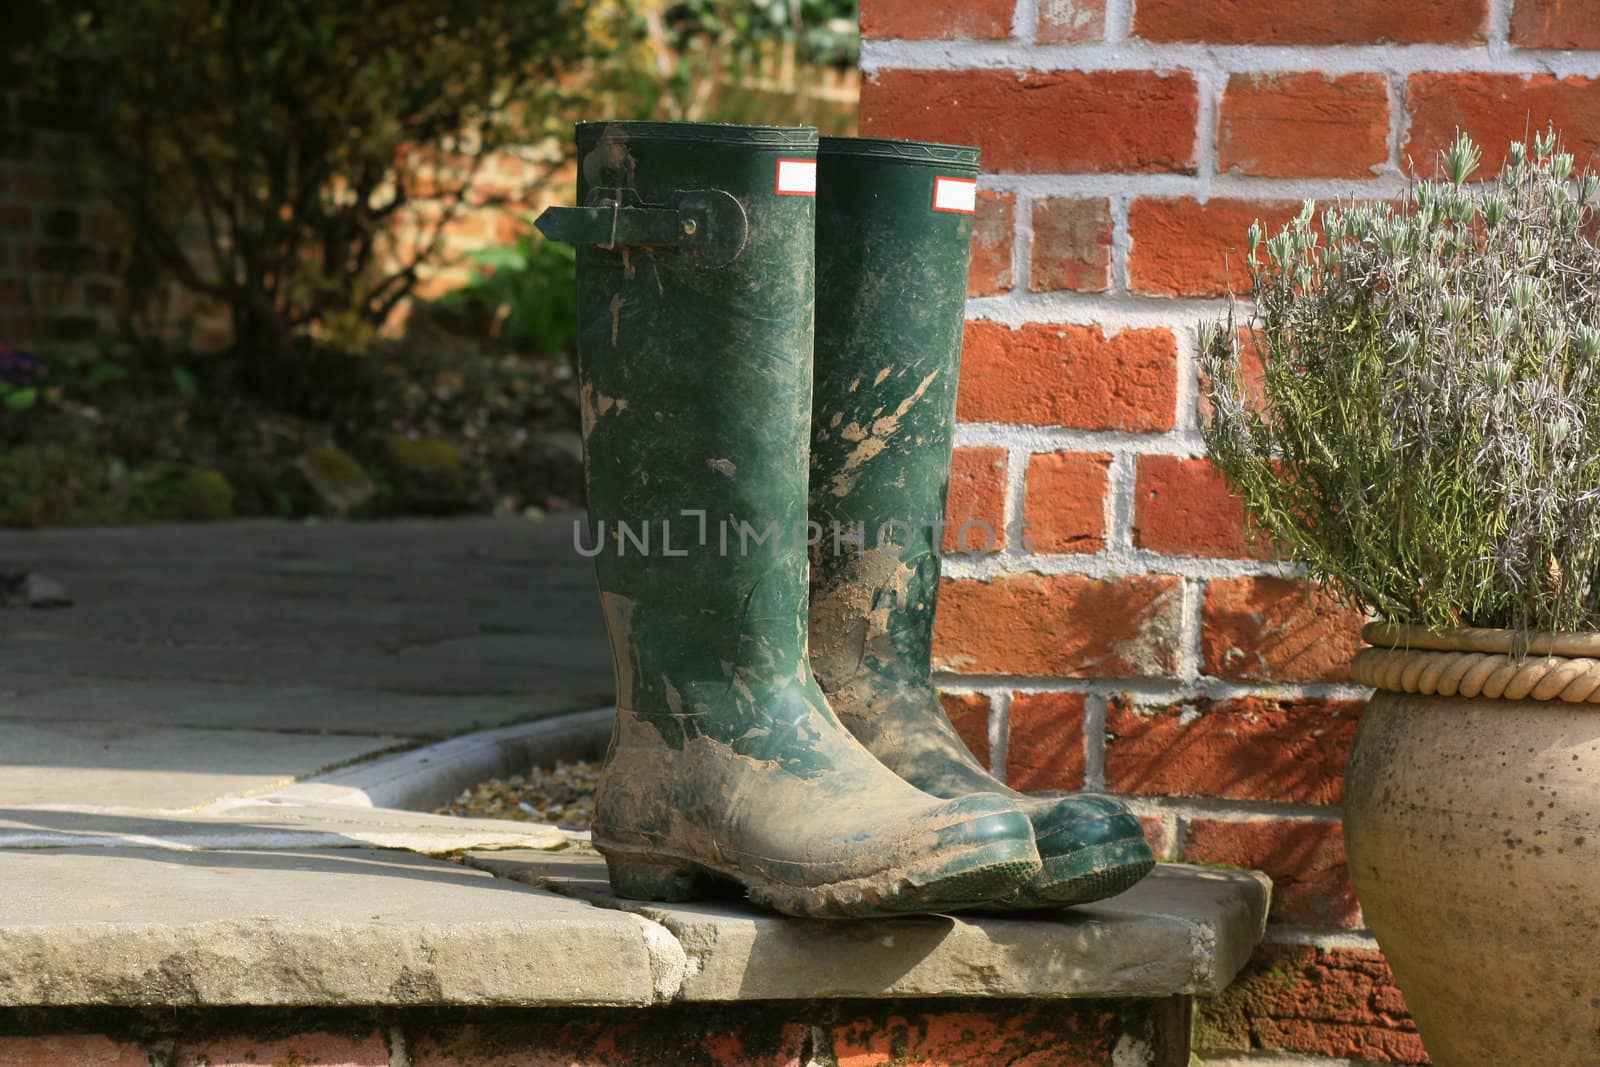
(648, 878)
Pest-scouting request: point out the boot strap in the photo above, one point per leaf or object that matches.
(709, 221)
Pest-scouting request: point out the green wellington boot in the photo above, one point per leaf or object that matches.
(726, 763)
(894, 222)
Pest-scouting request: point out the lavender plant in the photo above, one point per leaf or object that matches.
(1425, 435)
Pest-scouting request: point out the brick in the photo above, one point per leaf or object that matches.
(44, 186)
(52, 112)
(1183, 247)
(1071, 244)
(63, 257)
(63, 151)
(1062, 375)
(1071, 21)
(441, 281)
(1057, 122)
(1556, 24)
(1496, 109)
(978, 496)
(18, 329)
(70, 1050)
(1246, 748)
(918, 20)
(1340, 1003)
(1271, 630)
(63, 224)
(969, 714)
(1303, 125)
(990, 272)
(55, 294)
(1305, 860)
(635, 1041)
(104, 226)
(1183, 507)
(16, 144)
(70, 328)
(1064, 626)
(1314, 22)
(1085, 1037)
(1064, 501)
(757, 1046)
(1160, 836)
(1045, 741)
(473, 224)
(328, 1050)
(510, 228)
(15, 220)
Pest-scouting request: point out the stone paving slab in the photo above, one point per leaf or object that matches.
(1183, 930)
(566, 662)
(329, 928)
(253, 825)
(298, 707)
(141, 765)
(198, 662)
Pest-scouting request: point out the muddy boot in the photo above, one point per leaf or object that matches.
(726, 763)
(894, 221)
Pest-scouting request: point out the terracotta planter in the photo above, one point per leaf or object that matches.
(1472, 825)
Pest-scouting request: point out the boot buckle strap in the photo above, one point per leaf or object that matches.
(707, 221)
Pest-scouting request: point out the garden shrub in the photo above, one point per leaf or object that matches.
(173, 491)
(65, 486)
(336, 483)
(56, 486)
(263, 154)
(424, 475)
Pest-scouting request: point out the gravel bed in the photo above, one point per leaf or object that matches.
(563, 795)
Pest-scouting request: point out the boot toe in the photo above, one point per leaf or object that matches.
(1091, 847)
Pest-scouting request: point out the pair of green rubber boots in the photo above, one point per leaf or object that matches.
(766, 514)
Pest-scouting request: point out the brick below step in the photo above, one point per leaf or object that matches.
(939, 1033)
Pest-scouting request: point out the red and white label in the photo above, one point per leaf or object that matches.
(955, 194)
(797, 177)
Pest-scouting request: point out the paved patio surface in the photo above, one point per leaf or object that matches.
(204, 661)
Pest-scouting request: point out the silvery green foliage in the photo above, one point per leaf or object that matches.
(1425, 436)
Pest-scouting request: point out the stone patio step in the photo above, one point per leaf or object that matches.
(1183, 930)
(131, 927)
(135, 925)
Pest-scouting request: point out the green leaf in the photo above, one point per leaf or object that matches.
(188, 385)
(21, 399)
(103, 372)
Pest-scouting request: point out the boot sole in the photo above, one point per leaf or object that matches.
(1082, 877)
(974, 878)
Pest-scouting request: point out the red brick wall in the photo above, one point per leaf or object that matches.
(59, 250)
(1144, 645)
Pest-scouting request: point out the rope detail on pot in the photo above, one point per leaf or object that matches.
(1479, 674)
